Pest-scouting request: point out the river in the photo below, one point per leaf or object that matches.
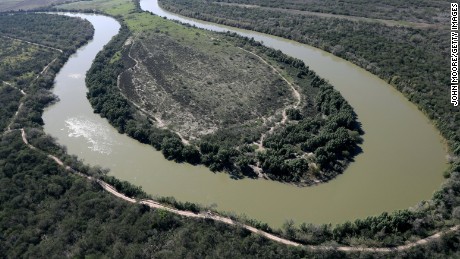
(402, 161)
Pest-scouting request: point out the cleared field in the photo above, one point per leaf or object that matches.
(199, 85)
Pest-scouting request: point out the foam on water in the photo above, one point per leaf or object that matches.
(75, 76)
(96, 134)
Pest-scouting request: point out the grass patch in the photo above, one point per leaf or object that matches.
(111, 7)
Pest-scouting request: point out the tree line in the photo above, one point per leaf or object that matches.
(408, 10)
(34, 27)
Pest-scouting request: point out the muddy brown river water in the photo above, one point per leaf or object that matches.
(402, 161)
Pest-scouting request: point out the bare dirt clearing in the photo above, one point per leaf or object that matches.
(196, 90)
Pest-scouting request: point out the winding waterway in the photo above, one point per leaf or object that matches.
(401, 163)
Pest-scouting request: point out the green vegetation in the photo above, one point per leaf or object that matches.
(16, 60)
(9, 98)
(446, 247)
(47, 212)
(18, 27)
(117, 8)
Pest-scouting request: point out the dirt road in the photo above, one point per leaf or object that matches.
(33, 43)
(295, 93)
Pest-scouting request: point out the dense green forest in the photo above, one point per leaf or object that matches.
(47, 212)
(19, 28)
(427, 11)
(9, 98)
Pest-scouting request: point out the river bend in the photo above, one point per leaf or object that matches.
(401, 164)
